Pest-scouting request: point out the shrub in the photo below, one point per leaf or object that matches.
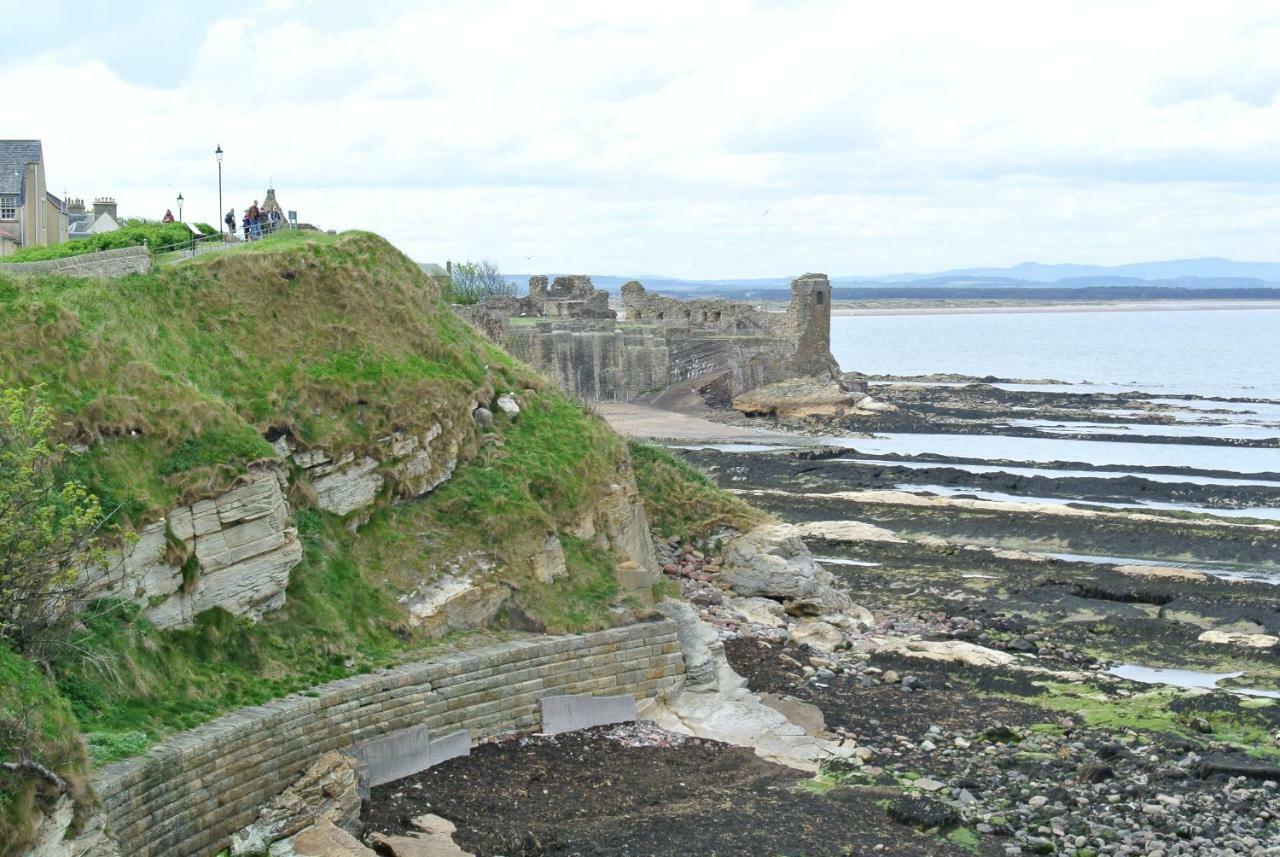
(132, 234)
(48, 528)
(472, 282)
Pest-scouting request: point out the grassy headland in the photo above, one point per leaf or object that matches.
(166, 385)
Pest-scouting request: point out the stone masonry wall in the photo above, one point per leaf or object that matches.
(727, 345)
(108, 263)
(188, 795)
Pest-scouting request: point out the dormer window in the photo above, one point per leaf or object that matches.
(8, 207)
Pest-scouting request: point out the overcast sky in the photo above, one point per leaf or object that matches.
(687, 139)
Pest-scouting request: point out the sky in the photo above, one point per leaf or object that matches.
(688, 139)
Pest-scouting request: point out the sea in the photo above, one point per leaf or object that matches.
(1220, 368)
(1231, 353)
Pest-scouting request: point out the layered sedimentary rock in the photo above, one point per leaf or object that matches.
(234, 551)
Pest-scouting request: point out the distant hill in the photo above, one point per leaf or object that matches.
(1193, 274)
(1037, 272)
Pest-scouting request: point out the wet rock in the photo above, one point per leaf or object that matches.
(923, 813)
(1237, 766)
(1095, 772)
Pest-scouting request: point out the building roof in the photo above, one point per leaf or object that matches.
(6, 235)
(14, 157)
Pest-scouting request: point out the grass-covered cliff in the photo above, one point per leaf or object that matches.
(167, 387)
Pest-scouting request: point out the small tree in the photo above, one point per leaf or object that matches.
(472, 282)
(48, 528)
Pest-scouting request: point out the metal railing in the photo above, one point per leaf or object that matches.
(199, 243)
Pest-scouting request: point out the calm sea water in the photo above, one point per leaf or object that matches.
(1230, 353)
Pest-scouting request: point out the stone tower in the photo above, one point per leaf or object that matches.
(270, 204)
(809, 317)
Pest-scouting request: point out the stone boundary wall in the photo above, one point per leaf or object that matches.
(189, 794)
(106, 263)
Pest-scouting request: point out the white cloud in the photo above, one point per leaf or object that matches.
(715, 139)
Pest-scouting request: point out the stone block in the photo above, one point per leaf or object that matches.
(408, 751)
(570, 712)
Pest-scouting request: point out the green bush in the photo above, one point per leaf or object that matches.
(132, 234)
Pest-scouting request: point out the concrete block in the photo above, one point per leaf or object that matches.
(569, 712)
(400, 754)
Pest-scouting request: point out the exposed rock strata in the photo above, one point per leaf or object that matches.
(329, 790)
(715, 703)
(237, 550)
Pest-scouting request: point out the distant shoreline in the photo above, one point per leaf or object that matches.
(853, 308)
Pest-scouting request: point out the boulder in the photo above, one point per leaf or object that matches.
(328, 791)
(1235, 638)
(817, 635)
(799, 398)
(549, 562)
(483, 417)
(948, 650)
(508, 405)
(758, 611)
(771, 561)
(806, 715)
(846, 531)
(322, 839)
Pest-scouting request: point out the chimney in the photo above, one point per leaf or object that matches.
(75, 206)
(104, 205)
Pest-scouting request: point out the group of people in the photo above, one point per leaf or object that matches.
(255, 222)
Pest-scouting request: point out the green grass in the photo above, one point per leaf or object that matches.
(681, 500)
(132, 234)
(339, 339)
(166, 384)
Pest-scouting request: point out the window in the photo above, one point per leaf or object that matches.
(819, 296)
(8, 207)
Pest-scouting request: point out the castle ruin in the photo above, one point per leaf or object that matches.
(567, 329)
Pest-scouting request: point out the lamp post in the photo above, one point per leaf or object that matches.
(179, 206)
(217, 153)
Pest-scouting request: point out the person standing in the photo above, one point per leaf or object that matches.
(255, 224)
(168, 216)
(230, 220)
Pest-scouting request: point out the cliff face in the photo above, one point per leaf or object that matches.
(339, 384)
(314, 468)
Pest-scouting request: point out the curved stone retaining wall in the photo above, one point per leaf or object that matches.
(188, 795)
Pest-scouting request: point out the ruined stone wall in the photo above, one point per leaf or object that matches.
(598, 361)
(189, 794)
(108, 263)
(700, 313)
(663, 340)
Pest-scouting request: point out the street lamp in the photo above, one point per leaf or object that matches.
(179, 206)
(217, 153)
